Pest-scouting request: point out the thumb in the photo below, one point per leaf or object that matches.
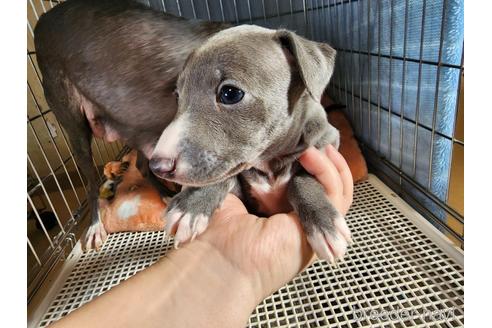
(321, 167)
(231, 207)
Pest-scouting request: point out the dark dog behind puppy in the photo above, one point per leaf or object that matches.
(109, 69)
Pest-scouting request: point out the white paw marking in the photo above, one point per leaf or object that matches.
(342, 227)
(172, 217)
(95, 236)
(187, 227)
(201, 223)
(184, 230)
(331, 246)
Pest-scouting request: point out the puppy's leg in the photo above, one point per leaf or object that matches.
(67, 109)
(80, 137)
(326, 229)
(189, 212)
(81, 145)
(143, 166)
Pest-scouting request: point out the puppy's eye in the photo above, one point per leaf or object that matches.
(229, 95)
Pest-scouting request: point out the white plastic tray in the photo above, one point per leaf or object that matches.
(401, 272)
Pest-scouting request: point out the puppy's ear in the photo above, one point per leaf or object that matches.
(315, 61)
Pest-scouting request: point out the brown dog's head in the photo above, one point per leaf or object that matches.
(239, 94)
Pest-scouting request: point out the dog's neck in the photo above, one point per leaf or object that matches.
(288, 146)
(280, 165)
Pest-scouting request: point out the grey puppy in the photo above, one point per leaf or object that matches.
(249, 104)
(109, 69)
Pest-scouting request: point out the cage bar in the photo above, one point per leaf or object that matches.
(436, 96)
(378, 87)
(33, 251)
(404, 69)
(458, 99)
(50, 136)
(48, 198)
(52, 172)
(42, 5)
(417, 111)
(34, 10)
(208, 9)
(48, 237)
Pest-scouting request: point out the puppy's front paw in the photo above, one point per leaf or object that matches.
(188, 213)
(186, 224)
(95, 237)
(330, 238)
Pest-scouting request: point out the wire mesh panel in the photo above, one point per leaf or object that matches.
(398, 72)
(56, 189)
(393, 276)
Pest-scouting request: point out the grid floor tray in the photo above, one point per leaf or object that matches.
(401, 272)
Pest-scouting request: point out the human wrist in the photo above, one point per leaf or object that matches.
(201, 278)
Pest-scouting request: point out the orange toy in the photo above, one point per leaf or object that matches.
(127, 201)
(349, 148)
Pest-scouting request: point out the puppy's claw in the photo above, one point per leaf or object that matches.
(172, 217)
(331, 245)
(342, 228)
(184, 229)
(95, 237)
(187, 226)
(320, 247)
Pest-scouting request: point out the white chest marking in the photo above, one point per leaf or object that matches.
(271, 196)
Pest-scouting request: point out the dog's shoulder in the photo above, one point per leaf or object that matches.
(316, 130)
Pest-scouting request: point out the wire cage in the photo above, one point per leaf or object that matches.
(56, 189)
(399, 75)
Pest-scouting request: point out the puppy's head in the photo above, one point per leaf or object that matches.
(237, 94)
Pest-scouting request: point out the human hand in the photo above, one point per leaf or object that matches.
(272, 251)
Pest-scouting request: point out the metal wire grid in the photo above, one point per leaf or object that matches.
(364, 106)
(55, 183)
(393, 266)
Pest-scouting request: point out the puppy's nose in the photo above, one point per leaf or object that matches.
(161, 165)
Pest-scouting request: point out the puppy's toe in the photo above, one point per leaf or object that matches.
(320, 247)
(201, 223)
(184, 231)
(95, 237)
(331, 243)
(172, 218)
(337, 243)
(343, 229)
(185, 225)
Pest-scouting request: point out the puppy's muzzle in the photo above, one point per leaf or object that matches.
(162, 167)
